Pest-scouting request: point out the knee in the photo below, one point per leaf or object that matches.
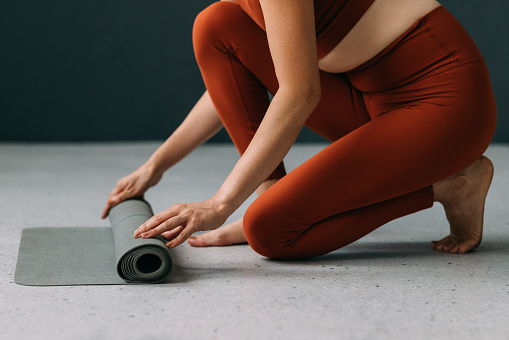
(257, 228)
(264, 230)
(212, 25)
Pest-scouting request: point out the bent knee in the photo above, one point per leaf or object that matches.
(213, 24)
(266, 231)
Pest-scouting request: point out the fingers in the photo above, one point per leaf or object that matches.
(180, 221)
(112, 201)
(181, 238)
(106, 210)
(170, 235)
(162, 222)
(174, 224)
(119, 194)
(118, 188)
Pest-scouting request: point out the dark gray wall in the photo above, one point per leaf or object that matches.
(125, 70)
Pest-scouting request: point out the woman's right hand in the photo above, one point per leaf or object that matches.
(133, 185)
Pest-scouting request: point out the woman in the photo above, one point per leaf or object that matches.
(398, 87)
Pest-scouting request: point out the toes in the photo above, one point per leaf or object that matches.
(463, 248)
(209, 239)
(454, 245)
(439, 245)
(466, 247)
(198, 241)
(452, 248)
(434, 245)
(447, 244)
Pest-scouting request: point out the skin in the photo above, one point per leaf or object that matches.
(290, 27)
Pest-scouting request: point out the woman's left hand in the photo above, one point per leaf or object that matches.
(180, 221)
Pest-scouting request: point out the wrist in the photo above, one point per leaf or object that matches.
(225, 205)
(153, 169)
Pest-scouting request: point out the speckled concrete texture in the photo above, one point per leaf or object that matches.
(389, 285)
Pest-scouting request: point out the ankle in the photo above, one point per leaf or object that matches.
(447, 190)
(438, 191)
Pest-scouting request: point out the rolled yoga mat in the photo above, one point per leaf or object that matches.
(93, 256)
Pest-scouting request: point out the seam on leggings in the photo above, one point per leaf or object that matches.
(457, 60)
(261, 60)
(229, 58)
(451, 55)
(457, 63)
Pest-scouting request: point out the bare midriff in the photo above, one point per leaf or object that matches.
(383, 23)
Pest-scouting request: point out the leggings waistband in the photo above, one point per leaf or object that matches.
(436, 42)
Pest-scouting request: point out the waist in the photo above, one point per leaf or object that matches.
(381, 24)
(434, 45)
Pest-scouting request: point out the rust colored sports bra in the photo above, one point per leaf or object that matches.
(333, 19)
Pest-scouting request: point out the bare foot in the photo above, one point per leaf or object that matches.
(463, 196)
(229, 234)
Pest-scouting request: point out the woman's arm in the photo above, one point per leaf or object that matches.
(292, 42)
(291, 35)
(201, 124)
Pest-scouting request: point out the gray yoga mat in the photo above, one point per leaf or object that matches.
(62, 256)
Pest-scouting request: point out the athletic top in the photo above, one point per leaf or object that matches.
(333, 19)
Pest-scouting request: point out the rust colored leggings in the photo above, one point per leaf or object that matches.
(420, 111)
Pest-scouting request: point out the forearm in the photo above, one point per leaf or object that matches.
(276, 134)
(201, 124)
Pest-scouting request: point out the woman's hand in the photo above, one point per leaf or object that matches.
(133, 185)
(180, 221)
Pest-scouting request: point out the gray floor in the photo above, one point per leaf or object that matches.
(389, 285)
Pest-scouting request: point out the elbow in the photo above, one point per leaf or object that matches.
(310, 94)
(306, 96)
(314, 95)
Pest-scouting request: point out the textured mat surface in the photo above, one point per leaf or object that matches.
(64, 256)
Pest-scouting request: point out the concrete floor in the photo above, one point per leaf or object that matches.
(389, 285)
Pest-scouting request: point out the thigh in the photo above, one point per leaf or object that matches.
(410, 144)
(234, 57)
(391, 156)
(340, 110)
(382, 170)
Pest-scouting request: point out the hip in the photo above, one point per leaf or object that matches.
(435, 44)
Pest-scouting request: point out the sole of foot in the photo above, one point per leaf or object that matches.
(464, 207)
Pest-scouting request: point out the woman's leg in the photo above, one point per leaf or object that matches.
(382, 170)
(379, 172)
(421, 132)
(235, 60)
(234, 57)
(241, 98)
